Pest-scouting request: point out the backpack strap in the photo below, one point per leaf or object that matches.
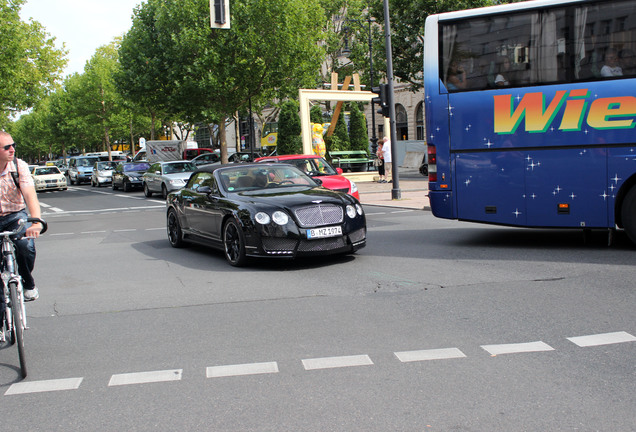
(16, 174)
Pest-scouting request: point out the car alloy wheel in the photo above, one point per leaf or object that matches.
(234, 244)
(175, 235)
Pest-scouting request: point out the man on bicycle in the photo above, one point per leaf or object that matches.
(14, 201)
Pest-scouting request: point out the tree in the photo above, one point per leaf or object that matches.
(289, 129)
(30, 65)
(213, 73)
(315, 114)
(358, 136)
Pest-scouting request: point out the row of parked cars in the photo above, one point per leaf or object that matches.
(161, 178)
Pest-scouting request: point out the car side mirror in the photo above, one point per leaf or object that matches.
(205, 190)
(319, 181)
(339, 171)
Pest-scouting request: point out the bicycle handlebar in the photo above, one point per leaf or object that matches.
(22, 223)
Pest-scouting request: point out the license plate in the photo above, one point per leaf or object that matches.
(333, 231)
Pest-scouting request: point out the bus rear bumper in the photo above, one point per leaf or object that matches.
(442, 204)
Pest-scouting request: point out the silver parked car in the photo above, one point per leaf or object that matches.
(102, 173)
(165, 177)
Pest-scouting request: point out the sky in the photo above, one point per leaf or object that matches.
(82, 25)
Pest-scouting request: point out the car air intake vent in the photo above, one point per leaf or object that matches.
(318, 215)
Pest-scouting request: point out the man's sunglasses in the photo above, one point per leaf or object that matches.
(8, 146)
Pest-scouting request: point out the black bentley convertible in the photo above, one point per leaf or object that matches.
(264, 210)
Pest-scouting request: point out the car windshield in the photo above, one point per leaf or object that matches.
(139, 166)
(178, 167)
(46, 171)
(259, 178)
(312, 166)
(86, 162)
(106, 165)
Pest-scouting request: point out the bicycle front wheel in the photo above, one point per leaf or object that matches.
(18, 325)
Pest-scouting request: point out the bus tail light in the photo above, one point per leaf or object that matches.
(432, 163)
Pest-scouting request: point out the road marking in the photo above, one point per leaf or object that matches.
(336, 362)
(241, 369)
(155, 229)
(125, 230)
(431, 354)
(517, 348)
(145, 377)
(44, 386)
(92, 232)
(61, 234)
(602, 339)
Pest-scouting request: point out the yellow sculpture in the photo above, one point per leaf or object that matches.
(317, 141)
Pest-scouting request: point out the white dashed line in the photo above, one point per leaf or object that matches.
(44, 386)
(242, 369)
(336, 362)
(602, 339)
(432, 354)
(145, 377)
(517, 348)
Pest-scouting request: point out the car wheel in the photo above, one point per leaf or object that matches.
(147, 192)
(114, 186)
(126, 186)
(70, 180)
(164, 191)
(175, 235)
(234, 244)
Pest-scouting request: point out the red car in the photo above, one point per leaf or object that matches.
(318, 168)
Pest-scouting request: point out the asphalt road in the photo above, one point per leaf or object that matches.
(435, 325)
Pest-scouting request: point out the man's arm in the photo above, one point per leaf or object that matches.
(33, 205)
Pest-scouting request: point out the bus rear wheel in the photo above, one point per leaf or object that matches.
(628, 214)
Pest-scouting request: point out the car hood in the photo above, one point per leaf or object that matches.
(334, 182)
(183, 176)
(134, 173)
(296, 196)
(48, 176)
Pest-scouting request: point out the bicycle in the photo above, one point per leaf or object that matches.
(14, 320)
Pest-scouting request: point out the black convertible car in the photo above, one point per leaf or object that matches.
(264, 210)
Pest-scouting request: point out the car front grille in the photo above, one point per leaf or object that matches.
(358, 235)
(320, 245)
(279, 246)
(345, 190)
(319, 215)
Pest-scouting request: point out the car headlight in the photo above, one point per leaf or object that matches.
(354, 187)
(177, 182)
(262, 218)
(359, 209)
(351, 211)
(280, 217)
(39, 181)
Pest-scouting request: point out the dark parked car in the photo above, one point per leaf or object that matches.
(206, 159)
(264, 210)
(242, 157)
(128, 175)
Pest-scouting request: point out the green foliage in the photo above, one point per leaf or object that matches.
(289, 129)
(358, 136)
(315, 114)
(30, 65)
(341, 134)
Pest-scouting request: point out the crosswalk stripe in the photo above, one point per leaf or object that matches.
(431, 354)
(602, 339)
(145, 377)
(44, 386)
(241, 369)
(336, 362)
(517, 348)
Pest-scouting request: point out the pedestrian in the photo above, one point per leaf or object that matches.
(380, 163)
(386, 153)
(14, 201)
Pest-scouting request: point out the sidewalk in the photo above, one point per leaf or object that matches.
(413, 191)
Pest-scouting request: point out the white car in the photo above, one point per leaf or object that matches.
(48, 178)
(165, 177)
(103, 173)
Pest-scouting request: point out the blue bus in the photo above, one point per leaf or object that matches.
(531, 113)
